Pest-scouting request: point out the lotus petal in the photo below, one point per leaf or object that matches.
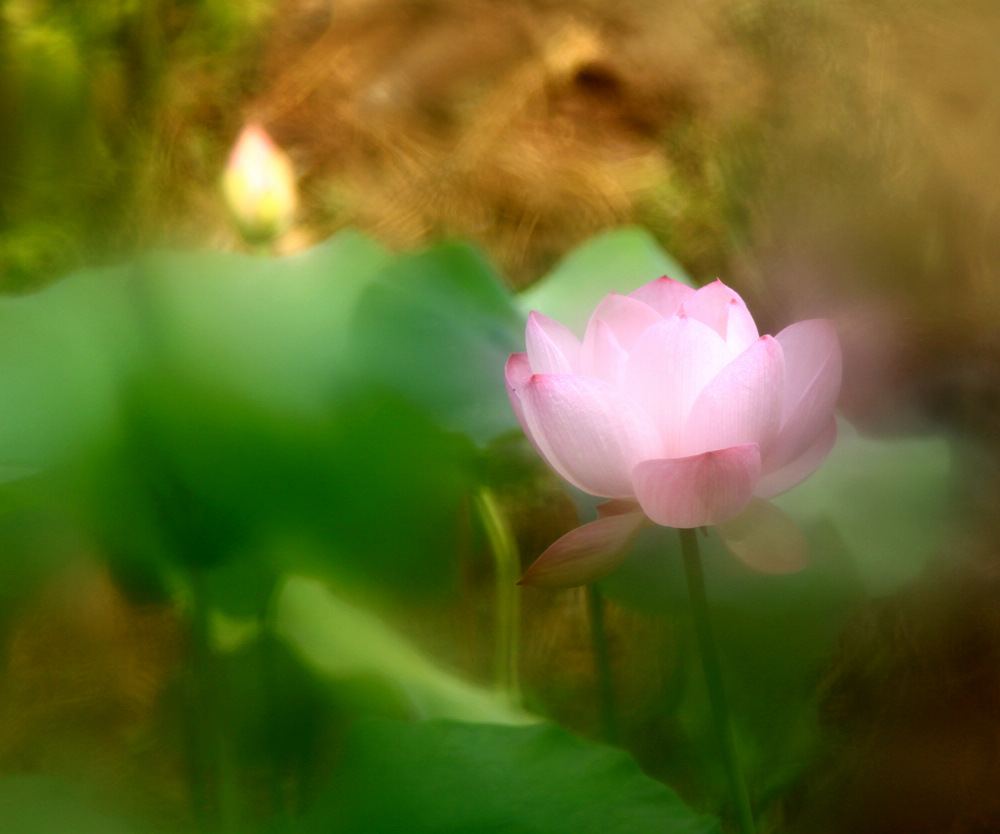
(587, 553)
(627, 317)
(722, 309)
(552, 348)
(516, 374)
(700, 490)
(813, 369)
(590, 432)
(740, 328)
(664, 295)
(783, 479)
(602, 356)
(668, 367)
(741, 404)
(765, 538)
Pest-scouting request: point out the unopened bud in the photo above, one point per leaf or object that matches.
(259, 186)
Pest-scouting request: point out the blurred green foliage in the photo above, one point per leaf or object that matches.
(285, 450)
(86, 162)
(536, 780)
(224, 399)
(34, 804)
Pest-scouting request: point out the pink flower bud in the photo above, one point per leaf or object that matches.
(259, 186)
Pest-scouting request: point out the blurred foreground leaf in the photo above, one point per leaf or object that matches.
(273, 329)
(452, 778)
(288, 334)
(201, 477)
(617, 261)
(889, 499)
(64, 352)
(340, 641)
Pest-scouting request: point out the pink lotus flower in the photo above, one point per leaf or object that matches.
(674, 407)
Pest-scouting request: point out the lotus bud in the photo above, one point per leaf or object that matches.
(259, 186)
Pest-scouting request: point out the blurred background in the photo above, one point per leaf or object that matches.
(191, 439)
(824, 156)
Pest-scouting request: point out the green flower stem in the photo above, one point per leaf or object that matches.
(268, 670)
(197, 723)
(214, 789)
(602, 665)
(507, 564)
(725, 736)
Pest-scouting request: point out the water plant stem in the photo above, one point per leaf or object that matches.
(725, 735)
(507, 566)
(602, 665)
(213, 779)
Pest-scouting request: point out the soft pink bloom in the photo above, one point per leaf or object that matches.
(676, 407)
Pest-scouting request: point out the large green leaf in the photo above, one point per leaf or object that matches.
(63, 354)
(454, 778)
(272, 329)
(617, 261)
(229, 397)
(200, 476)
(285, 333)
